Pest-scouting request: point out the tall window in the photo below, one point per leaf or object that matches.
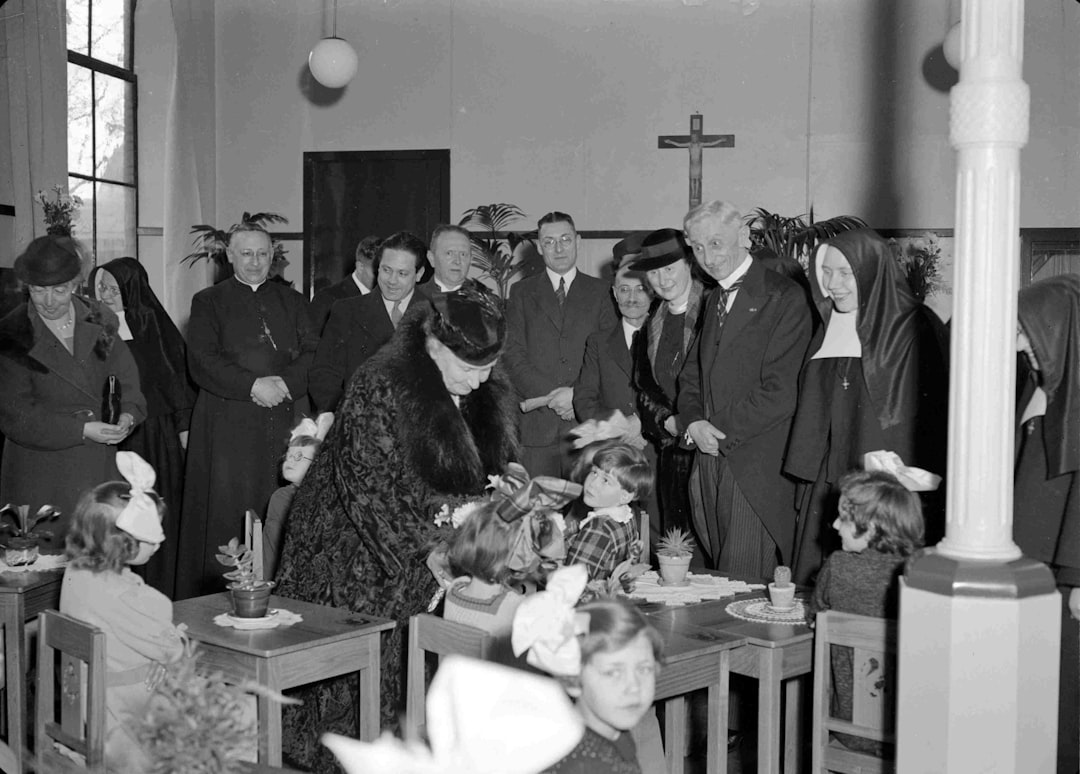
(101, 88)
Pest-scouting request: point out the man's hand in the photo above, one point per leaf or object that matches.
(561, 401)
(706, 437)
(102, 432)
(670, 426)
(269, 391)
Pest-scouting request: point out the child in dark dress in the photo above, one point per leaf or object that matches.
(880, 525)
(606, 654)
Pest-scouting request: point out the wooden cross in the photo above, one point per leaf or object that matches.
(695, 141)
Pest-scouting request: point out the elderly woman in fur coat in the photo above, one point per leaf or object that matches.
(57, 351)
(423, 423)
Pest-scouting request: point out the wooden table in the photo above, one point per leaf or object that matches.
(771, 653)
(22, 596)
(694, 658)
(329, 642)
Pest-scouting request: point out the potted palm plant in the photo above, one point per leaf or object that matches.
(497, 258)
(210, 242)
(674, 551)
(250, 595)
(795, 237)
(22, 547)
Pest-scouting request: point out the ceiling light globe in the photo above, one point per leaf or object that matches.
(333, 62)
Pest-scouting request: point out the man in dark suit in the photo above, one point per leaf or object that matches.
(737, 397)
(450, 256)
(357, 327)
(358, 283)
(549, 317)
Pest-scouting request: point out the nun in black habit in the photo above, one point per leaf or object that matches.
(875, 378)
(123, 286)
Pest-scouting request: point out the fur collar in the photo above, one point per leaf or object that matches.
(17, 335)
(452, 450)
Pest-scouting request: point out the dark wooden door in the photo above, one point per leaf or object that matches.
(351, 194)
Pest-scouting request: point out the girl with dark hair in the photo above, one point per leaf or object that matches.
(158, 348)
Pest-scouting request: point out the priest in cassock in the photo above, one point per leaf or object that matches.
(250, 345)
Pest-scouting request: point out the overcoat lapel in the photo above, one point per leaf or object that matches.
(748, 300)
(48, 351)
(549, 305)
(617, 348)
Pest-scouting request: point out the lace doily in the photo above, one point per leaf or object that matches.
(760, 610)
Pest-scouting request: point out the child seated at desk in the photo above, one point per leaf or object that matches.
(880, 525)
(117, 525)
(619, 478)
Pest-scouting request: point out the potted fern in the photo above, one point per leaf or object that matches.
(498, 258)
(22, 547)
(674, 551)
(795, 237)
(250, 595)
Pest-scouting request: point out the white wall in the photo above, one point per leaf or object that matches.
(558, 104)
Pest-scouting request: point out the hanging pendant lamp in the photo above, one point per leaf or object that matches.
(333, 61)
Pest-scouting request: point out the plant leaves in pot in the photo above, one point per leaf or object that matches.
(250, 595)
(22, 547)
(674, 551)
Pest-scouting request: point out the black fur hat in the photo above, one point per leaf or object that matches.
(470, 322)
(49, 260)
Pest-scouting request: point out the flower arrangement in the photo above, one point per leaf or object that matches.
(196, 722)
(59, 212)
(494, 256)
(919, 260)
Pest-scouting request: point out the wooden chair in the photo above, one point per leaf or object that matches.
(643, 531)
(873, 645)
(432, 634)
(81, 698)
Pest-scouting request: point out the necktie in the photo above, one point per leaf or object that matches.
(560, 294)
(725, 296)
(395, 313)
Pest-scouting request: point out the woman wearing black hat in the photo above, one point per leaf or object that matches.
(659, 358)
(124, 287)
(58, 353)
(427, 419)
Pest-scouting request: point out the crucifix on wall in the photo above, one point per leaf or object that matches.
(695, 141)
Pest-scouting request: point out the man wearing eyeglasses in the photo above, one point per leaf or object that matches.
(250, 344)
(549, 318)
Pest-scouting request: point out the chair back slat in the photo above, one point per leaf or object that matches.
(871, 643)
(432, 634)
(71, 660)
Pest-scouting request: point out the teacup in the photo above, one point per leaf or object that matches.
(782, 597)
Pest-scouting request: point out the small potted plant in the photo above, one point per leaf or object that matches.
(22, 547)
(250, 595)
(782, 590)
(674, 551)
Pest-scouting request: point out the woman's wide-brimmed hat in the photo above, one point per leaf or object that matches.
(49, 260)
(661, 248)
(470, 323)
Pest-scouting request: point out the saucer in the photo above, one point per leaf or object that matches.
(268, 618)
(670, 584)
(781, 610)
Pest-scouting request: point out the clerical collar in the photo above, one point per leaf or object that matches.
(364, 289)
(403, 303)
(568, 278)
(248, 284)
(841, 337)
(738, 274)
(446, 288)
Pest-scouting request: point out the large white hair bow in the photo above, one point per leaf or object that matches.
(140, 517)
(316, 428)
(547, 625)
(482, 718)
(913, 479)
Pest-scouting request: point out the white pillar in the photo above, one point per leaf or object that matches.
(979, 624)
